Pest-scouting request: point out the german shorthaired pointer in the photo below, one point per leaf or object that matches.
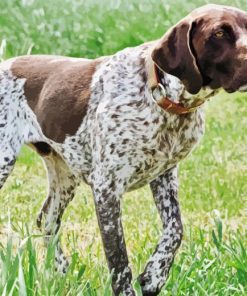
(119, 122)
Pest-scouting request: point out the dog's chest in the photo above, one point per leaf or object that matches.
(171, 143)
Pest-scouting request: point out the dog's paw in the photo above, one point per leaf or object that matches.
(129, 291)
(61, 264)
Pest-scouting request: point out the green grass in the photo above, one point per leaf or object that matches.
(213, 257)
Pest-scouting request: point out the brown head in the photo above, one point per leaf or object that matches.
(206, 48)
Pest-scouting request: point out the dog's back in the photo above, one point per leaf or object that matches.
(56, 88)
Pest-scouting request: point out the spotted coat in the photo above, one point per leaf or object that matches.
(125, 141)
(121, 139)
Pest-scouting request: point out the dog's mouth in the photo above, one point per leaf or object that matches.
(230, 90)
(207, 80)
(216, 84)
(242, 88)
(212, 83)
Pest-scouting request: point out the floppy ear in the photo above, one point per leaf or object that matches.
(174, 55)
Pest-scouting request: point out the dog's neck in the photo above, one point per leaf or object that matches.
(175, 89)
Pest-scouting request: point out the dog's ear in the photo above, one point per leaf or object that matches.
(174, 55)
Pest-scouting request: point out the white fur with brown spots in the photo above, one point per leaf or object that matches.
(124, 140)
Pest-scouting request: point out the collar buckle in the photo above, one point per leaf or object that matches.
(159, 96)
(158, 93)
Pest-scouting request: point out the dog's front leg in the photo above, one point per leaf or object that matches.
(107, 195)
(165, 191)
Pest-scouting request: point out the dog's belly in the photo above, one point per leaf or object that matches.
(76, 154)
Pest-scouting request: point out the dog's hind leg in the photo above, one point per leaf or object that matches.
(7, 161)
(165, 191)
(62, 184)
(11, 125)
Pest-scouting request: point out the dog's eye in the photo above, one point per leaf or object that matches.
(219, 34)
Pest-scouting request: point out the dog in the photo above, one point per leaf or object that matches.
(119, 122)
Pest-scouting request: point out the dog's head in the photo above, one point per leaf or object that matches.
(206, 48)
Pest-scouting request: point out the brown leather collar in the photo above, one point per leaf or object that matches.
(165, 103)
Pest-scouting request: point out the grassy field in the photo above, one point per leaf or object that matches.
(213, 257)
